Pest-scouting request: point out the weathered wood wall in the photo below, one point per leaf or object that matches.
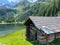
(51, 38)
(41, 36)
(57, 35)
(33, 33)
(28, 32)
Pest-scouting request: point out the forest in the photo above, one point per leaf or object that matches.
(23, 10)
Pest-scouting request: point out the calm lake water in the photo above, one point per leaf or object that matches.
(8, 28)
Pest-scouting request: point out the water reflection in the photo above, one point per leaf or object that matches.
(8, 28)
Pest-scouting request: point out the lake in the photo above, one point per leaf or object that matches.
(8, 28)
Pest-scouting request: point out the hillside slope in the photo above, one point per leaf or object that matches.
(24, 9)
(36, 10)
(44, 9)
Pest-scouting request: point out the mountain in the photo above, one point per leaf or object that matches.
(26, 8)
(2, 5)
(13, 3)
(5, 6)
(35, 10)
(22, 10)
(45, 0)
(44, 9)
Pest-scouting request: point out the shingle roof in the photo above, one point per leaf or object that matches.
(47, 24)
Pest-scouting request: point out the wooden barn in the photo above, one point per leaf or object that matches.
(43, 29)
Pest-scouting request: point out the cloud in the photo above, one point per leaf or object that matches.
(15, 1)
(32, 1)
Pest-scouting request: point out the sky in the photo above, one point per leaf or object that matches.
(10, 2)
(13, 2)
(6, 1)
(21, 0)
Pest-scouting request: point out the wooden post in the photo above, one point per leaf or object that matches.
(55, 36)
(47, 43)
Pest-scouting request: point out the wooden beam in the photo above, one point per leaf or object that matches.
(47, 43)
(55, 35)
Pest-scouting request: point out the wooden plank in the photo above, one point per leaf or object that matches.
(28, 32)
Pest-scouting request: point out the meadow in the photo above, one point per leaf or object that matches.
(18, 38)
(15, 38)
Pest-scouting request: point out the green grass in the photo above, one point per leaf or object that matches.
(56, 42)
(19, 38)
(15, 38)
(13, 23)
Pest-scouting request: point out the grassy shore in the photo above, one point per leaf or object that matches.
(15, 38)
(18, 38)
(12, 23)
